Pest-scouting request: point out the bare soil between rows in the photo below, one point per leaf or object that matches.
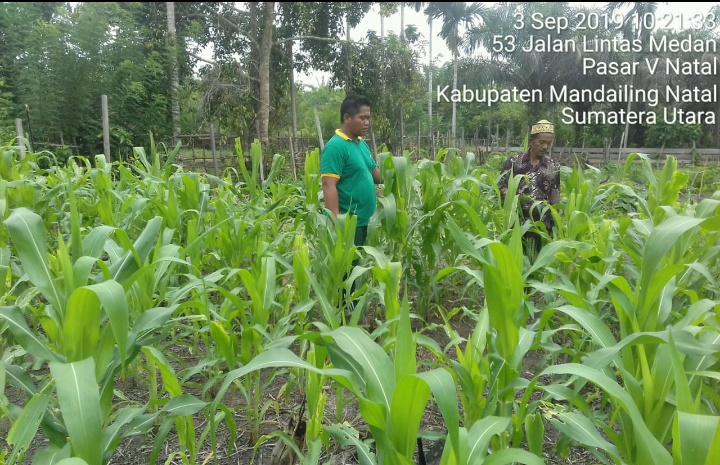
(137, 450)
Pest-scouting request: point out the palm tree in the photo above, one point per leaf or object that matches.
(417, 6)
(527, 70)
(633, 31)
(454, 14)
(386, 9)
(174, 81)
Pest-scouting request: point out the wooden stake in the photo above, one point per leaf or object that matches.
(106, 128)
(20, 136)
(212, 147)
(292, 155)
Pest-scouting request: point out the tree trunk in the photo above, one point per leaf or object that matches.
(430, 76)
(348, 84)
(174, 79)
(402, 22)
(454, 109)
(402, 132)
(264, 71)
(293, 91)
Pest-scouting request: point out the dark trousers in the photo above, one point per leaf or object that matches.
(532, 243)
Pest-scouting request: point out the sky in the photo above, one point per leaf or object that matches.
(440, 51)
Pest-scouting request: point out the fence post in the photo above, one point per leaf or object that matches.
(20, 136)
(212, 147)
(292, 154)
(106, 128)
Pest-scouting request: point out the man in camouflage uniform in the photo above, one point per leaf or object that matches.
(543, 178)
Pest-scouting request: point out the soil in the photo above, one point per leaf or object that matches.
(137, 450)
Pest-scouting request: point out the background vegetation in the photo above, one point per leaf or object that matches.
(57, 59)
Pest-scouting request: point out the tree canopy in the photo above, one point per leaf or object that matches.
(57, 60)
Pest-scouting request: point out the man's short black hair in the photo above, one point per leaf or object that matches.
(351, 105)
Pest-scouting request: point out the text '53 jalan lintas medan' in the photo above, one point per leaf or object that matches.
(682, 54)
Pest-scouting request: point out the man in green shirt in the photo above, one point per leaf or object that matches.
(348, 170)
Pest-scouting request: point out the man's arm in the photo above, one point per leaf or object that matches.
(329, 187)
(331, 168)
(376, 176)
(504, 177)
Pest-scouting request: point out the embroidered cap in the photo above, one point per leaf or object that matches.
(543, 126)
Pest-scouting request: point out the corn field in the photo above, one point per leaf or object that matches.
(107, 269)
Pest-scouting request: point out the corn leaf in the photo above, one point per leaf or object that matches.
(27, 232)
(22, 334)
(25, 427)
(79, 399)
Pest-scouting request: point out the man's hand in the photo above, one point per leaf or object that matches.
(376, 176)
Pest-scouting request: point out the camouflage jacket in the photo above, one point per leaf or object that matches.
(543, 183)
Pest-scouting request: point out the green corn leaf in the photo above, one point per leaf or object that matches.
(4, 267)
(599, 331)
(21, 379)
(408, 405)
(22, 334)
(81, 328)
(27, 232)
(694, 438)
(478, 438)
(714, 449)
(442, 386)
(223, 343)
(271, 358)
(81, 270)
(51, 455)
(503, 291)
(660, 242)
(313, 454)
(376, 368)
(72, 461)
(581, 429)
(347, 436)
(649, 449)
(25, 427)
(112, 435)
(79, 399)
(405, 348)
(328, 312)
(134, 258)
(111, 296)
(183, 405)
(512, 456)
(167, 373)
(535, 433)
(75, 223)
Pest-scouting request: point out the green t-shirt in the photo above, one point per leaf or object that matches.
(352, 164)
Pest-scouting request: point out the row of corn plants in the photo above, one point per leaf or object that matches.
(110, 271)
